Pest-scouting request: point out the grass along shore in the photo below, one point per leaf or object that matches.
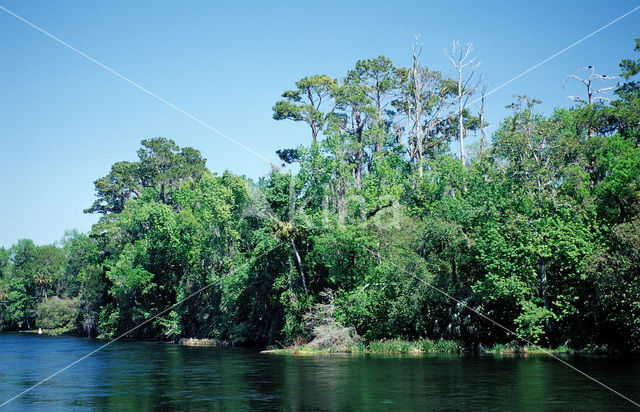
(422, 346)
(389, 346)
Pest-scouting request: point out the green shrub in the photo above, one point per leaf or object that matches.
(58, 314)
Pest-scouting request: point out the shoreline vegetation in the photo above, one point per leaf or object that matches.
(374, 232)
(427, 346)
(383, 346)
(201, 342)
(390, 346)
(51, 332)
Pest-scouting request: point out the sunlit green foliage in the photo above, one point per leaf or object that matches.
(539, 232)
(58, 315)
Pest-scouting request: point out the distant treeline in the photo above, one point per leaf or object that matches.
(538, 228)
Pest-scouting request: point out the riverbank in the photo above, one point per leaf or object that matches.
(423, 346)
(201, 342)
(387, 346)
(50, 332)
(384, 346)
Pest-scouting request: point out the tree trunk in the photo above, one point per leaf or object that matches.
(543, 282)
(460, 117)
(295, 251)
(454, 273)
(543, 288)
(417, 96)
(482, 131)
(360, 155)
(380, 136)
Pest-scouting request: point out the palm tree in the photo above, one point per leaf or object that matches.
(285, 230)
(288, 231)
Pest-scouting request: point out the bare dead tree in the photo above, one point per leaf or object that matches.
(423, 98)
(440, 102)
(417, 100)
(481, 119)
(593, 94)
(466, 67)
(328, 333)
(409, 102)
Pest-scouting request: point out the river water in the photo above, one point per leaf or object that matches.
(156, 376)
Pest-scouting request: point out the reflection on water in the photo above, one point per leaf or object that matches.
(147, 376)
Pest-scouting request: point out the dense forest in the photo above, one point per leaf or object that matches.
(537, 227)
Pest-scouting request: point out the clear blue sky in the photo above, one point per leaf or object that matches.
(64, 120)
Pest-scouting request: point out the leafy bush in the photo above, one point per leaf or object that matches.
(58, 314)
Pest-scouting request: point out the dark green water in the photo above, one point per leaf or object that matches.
(155, 376)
